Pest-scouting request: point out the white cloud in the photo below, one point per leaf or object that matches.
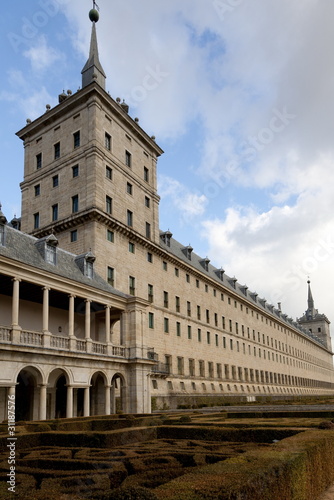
(187, 204)
(41, 56)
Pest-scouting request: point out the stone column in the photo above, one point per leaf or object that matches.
(108, 340)
(42, 402)
(16, 329)
(107, 408)
(11, 392)
(87, 319)
(86, 401)
(15, 301)
(45, 328)
(69, 402)
(71, 316)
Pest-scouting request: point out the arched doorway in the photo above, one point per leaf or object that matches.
(98, 394)
(27, 395)
(57, 394)
(61, 397)
(118, 394)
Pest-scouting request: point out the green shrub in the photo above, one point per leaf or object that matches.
(185, 419)
(327, 424)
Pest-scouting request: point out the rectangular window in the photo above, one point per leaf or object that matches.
(36, 220)
(208, 337)
(111, 276)
(39, 161)
(75, 171)
(219, 370)
(210, 366)
(189, 332)
(128, 159)
(37, 190)
(110, 236)
(76, 139)
(176, 272)
(177, 304)
(149, 257)
(201, 368)
(129, 188)
(188, 308)
(148, 230)
(165, 299)
(129, 218)
(108, 205)
(216, 340)
(55, 181)
(166, 325)
(132, 285)
(198, 312)
(187, 278)
(192, 367)
(216, 319)
(57, 151)
(146, 174)
(164, 266)
(151, 320)
(108, 173)
(131, 247)
(178, 329)
(199, 335)
(74, 236)
(51, 252)
(75, 204)
(55, 212)
(107, 141)
(147, 202)
(207, 314)
(197, 283)
(180, 367)
(150, 293)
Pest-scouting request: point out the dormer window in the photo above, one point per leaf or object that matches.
(2, 234)
(166, 237)
(85, 262)
(189, 250)
(48, 248)
(205, 263)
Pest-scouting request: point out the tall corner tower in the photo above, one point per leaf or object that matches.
(317, 324)
(90, 171)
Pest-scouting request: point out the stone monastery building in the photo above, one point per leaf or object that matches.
(101, 311)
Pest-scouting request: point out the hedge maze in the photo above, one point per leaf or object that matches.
(180, 457)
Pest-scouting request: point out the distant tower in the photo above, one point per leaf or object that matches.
(317, 324)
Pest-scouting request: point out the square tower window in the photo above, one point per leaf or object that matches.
(57, 151)
(108, 173)
(128, 159)
(75, 171)
(55, 212)
(132, 285)
(129, 217)
(76, 139)
(111, 276)
(147, 202)
(107, 141)
(74, 235)
(39, 161)
(146, 174)
(37, 189)
(75, 203)
(108, 205)
(55, 181)
(36, 220)
(129, 188)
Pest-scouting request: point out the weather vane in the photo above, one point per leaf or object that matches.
(95, 6)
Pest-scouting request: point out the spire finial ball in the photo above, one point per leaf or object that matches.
(94, 16)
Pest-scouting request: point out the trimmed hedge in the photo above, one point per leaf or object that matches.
(298, 468)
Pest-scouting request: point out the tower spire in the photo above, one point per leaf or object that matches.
(93, 70)
(311, 312)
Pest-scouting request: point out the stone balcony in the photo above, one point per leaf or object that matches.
(45, 340)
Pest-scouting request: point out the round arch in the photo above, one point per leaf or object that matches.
(28, 379)
(118, 393)
(99, 399)
(58, 380)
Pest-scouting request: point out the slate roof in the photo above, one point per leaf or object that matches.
(178, 250)
(22, 247)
